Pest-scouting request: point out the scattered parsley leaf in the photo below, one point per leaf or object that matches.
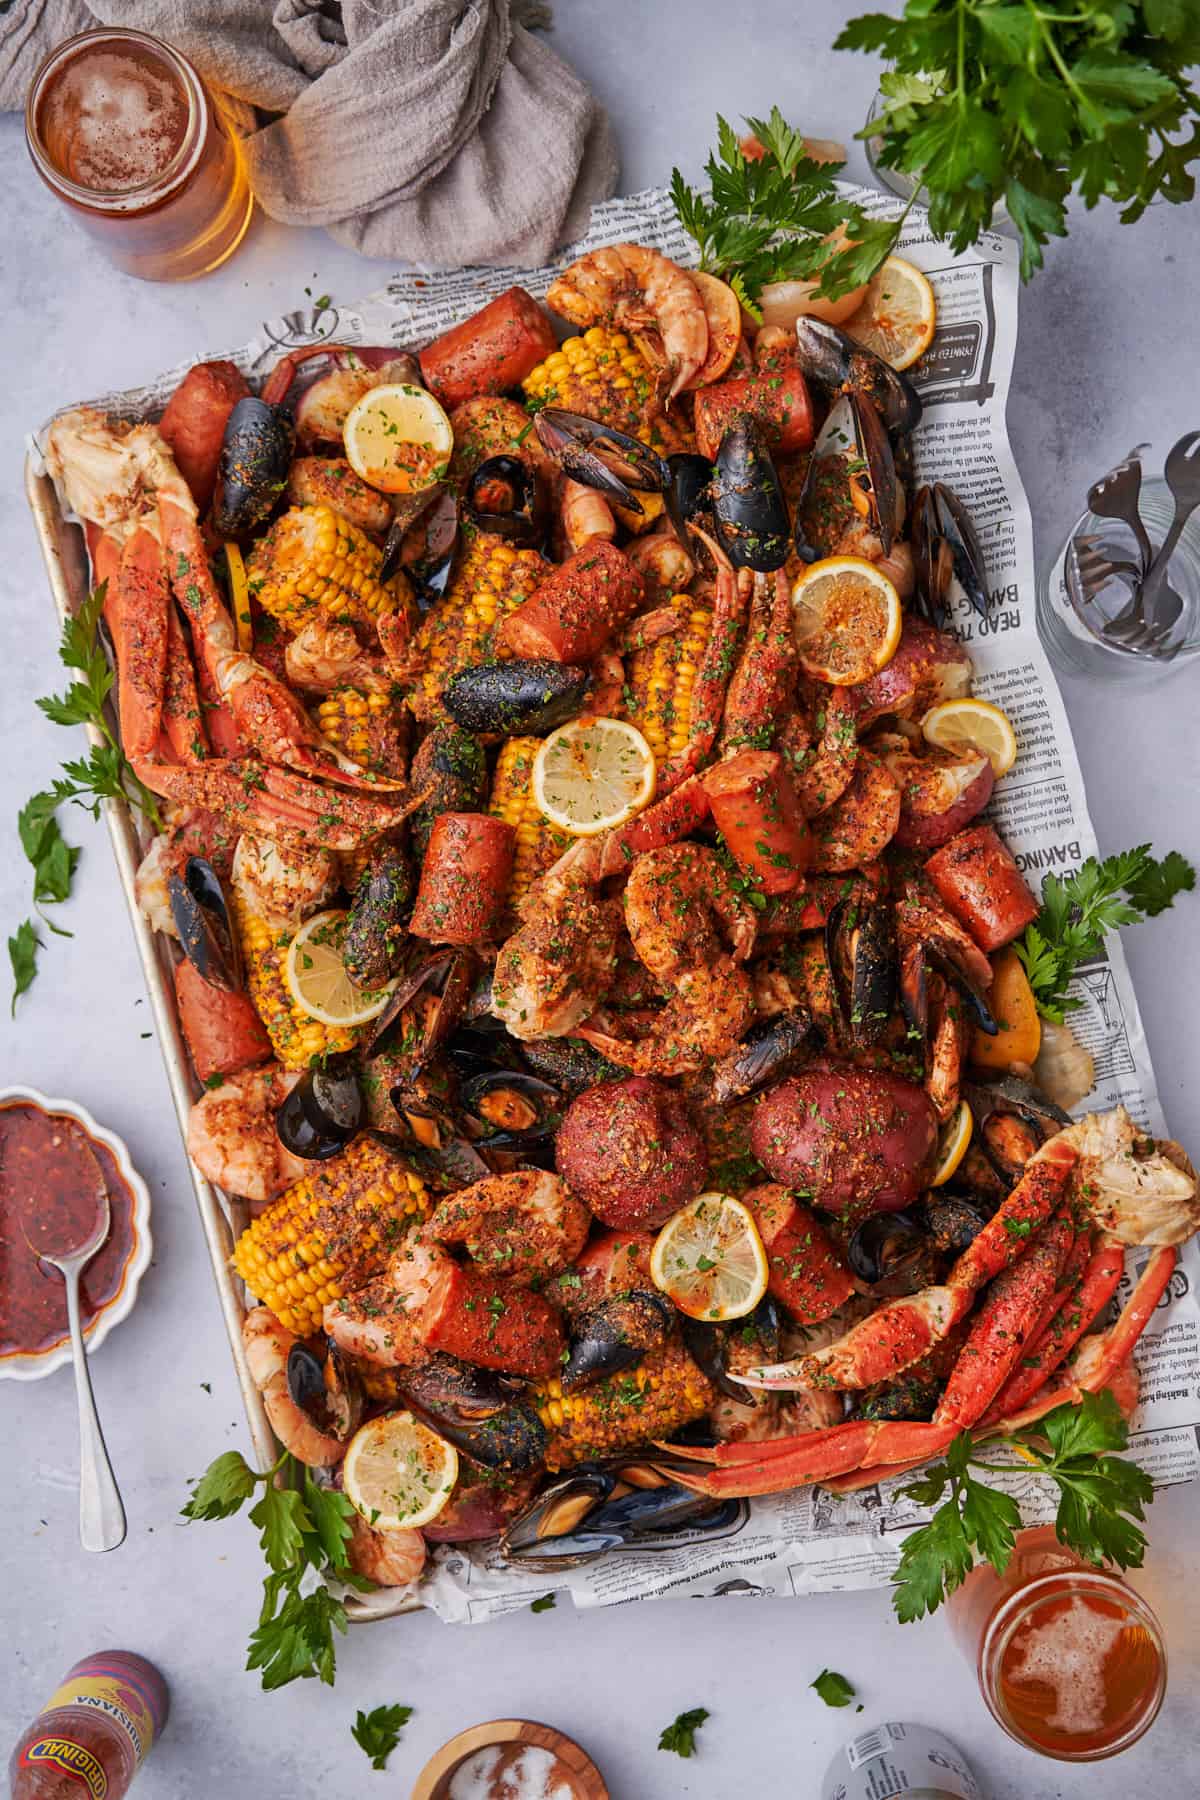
(833, 1688)
(23, 947)
(545, 1604)
(378, 1732)
(680, 1736)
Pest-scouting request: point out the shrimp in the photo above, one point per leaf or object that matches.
(330, 481)
(323, 656)
(554, 969)
(822, 771)
(388, 1558)
(282, 885)
(635, 288)
(526, 1225)
(379, 1320)
(267, 1345)
(662, 562)
(761, 685)
(585, 515)
(232, 1139)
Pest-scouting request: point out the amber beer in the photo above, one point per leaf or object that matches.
(122, 129)
(1070, 1660)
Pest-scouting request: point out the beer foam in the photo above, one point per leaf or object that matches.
(121, 118)
(1068, 1654)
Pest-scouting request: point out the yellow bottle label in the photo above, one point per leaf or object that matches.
(117, 1699)
(73, 1759)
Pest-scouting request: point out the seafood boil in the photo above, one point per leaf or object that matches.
(597, 978)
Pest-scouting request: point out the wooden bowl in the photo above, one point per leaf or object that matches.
(587, 1783)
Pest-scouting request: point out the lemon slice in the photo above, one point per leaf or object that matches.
(239, 597)
(973, 725)
(592, 774)
(709, 1259)
(846, 619)
(898, 315)
(319, 981)
(398, 439)
(398, 1473)
(952, 1144)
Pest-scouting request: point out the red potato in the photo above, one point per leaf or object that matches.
(613, 1263)
(571, 615)
(493, 350)
(852, 1141)
(978, 880)
(483, 1502)
(757, 812)
(194, 421)
(464, 878)
(807, 1276)
(940, 791)
(859, 826)
(222, 1031)
(929, 666)
(485, 1320)
(631, 1151)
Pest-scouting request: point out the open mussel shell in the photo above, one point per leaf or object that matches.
(593, 1510)
(252, 471)
(323, 1113)
(851, 467)
(1013, 1118)
(201, 914)
(688, 490)
(424, 548)
(524, 696)
(324, 1388)
(860, 946)
(954, 1221)
(480, 1413)
(447, 974)
(946, 551)
(839, 364)
(601, 457)
(513, 1110)
(771, 1048)
(507, 498)
(708, 1346)
(615, 1335)
(913, 986)
(892, 1253)
(750, 514)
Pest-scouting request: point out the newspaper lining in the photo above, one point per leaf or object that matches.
(811, 1541)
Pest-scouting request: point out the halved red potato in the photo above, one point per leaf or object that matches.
(939, 794)
(928, 666)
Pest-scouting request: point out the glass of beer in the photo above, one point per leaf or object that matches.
(1070, 1660)
(122, 129)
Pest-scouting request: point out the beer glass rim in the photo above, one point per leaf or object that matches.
(181, 164)
(1012, 1613)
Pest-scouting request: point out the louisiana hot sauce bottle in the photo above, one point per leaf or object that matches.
(91, 1737)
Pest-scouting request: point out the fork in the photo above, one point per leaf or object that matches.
(1159, 599)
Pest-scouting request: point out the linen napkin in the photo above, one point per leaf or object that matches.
(440, 132)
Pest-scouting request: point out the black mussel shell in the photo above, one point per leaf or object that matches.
(908, 1397)
(708, 1346)
(892, 1253)
(1013, 1118)
(505, 497)
(688, 490)
(424, 548)
(915, 964)
(569, 1063)
(860, 946)
(839, 364)
(615, 1335)
(324, 1389)
(448, 973)
(480, 1413)
(771, 1048)
(201, 915)
(513, 1109)
(594, 1510)
(450, 769)
(966, 554)
(516, 698)
(876, 452)
(557, 1513)
(955, 1220)
(376, 929)
(750, 515)
(601, 457)
(323, 1112)
(252, 472)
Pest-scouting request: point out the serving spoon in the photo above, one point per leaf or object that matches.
(101, 1513)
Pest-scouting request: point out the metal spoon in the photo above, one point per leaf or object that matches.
(1160, 601)
(101, 1514)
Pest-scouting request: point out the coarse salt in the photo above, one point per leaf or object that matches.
(511, 1772)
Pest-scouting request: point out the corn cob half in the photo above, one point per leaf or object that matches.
(492, 579)
(365, 726)
(296, 1038)
(660, 1395)
(329, 1232)
(314, 561)
(659, 681)
(538, 843)
(604, 376)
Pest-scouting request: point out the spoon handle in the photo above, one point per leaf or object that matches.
(101, 1514)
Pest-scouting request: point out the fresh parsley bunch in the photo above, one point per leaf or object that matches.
(1025, 100)
(1100, 1495)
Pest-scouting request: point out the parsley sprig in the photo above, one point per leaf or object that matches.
(680, 1734)
(1076, 912)
(1100, 1496)
(767, 219)
(834, 1689)
(303, 1530)
(378, 1732)
(103, 774)
(1025, 101)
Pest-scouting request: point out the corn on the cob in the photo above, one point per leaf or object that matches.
(329, 1232)
(491, 581)
(366, 727)
(312, 560)
(652, 1400)
(602, 375)
(295, 1037)
(538, 843)
(659, 681)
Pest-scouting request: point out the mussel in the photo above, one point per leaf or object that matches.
(478, 1412)
(516, 698)
(907, 1397)
(771, 1048)
(1013, 1118)
(615, 1335)
(946, 550)
(323, 1112)
(569, 1063)
(688, 489)
(201, 914)
(424, 548)
(324, 1388)
(860, 946)
(841, 365)
(376, 925)
(601, 457)
(955, 1220)
(441, 981)
(893, 1254)
(506, 497)
(596, 1509)
(256, 454)
(917, 958)
(709, 1346)
(750, 515)
(851, 478)
(511, 1109)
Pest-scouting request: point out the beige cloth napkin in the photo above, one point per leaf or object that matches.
(437, 131)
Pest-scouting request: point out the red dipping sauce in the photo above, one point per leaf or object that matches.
(39, 1184)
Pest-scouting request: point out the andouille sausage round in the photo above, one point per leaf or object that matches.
(571, 615)
(977, 878)
(464, 879)
(757, 812)
(490, 352)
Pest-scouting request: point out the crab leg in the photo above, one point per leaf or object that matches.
(1075, 1314)
(183, 719)
(762, 686)
(266, 801)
